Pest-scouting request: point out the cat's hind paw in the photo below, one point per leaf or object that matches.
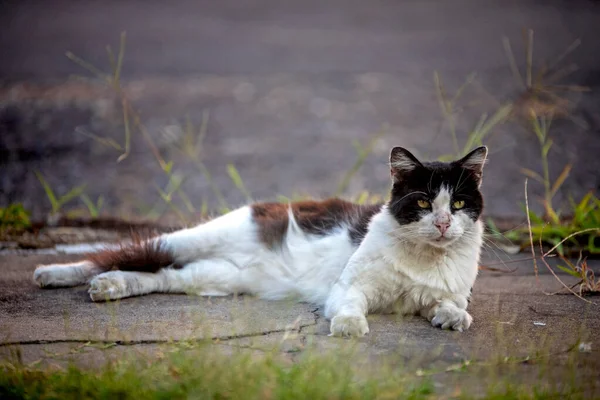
(47, 276)
(452, 318)
(62, 275)
(349, 325)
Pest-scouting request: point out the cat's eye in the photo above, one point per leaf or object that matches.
(458, 204)
(423, 203)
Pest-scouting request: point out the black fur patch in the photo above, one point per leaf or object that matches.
(359, 226)
(314, 217)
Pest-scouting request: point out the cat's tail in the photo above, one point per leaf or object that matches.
(139, 255)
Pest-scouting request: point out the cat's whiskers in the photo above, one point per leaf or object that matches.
(487, 243)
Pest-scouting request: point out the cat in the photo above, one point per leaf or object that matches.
(417, 254)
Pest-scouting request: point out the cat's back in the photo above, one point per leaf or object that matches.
(317, 218)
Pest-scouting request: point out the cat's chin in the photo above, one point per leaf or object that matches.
(441, 242)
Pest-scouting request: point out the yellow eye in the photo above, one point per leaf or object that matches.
(458, 204)
(423, 203)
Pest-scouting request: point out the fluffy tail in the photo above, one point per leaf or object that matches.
(139, 255)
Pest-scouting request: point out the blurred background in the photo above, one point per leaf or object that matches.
(199, 105)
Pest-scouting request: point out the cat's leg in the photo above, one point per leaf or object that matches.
(231, 233)
(65, 275)
(205, 278)
(366, 284)
(449, 313)
(113, 285)
(347, 307)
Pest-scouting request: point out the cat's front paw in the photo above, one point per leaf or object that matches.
(108, 286)
(452, 318)
(349, 325)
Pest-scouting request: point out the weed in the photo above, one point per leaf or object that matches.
(587, 282)
(581, 229)
(14, 217)
(540, 91)
(537, 106)
(190, 147)
(449, 109)
(132, 123)
(552, 227)
(57, 202)
(362, 152)
(541, 126)
(93, 208)
(235, 177)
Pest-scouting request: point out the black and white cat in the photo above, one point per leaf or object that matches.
(417, 254)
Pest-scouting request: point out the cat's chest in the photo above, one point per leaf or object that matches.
(443, 271)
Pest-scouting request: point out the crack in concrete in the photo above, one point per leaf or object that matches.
(161, 341)
(316, 316)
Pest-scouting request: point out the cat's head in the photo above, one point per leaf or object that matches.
(436, 202)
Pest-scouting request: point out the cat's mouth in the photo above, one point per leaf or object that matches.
(442, 240)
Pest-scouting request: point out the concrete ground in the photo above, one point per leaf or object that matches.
(513, 317)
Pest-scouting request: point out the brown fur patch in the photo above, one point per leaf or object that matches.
(141, 255)
(315, 217)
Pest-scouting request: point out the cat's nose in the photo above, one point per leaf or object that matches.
(442, 227)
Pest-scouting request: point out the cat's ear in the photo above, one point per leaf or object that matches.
(474, 162)
(401, 162)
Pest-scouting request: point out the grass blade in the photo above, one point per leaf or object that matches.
(532, 174)
(127, 131)
(237, 181)
(84, 64)
(119, 65)
(92, 209)
(102, 140)
(560, 180)
(513, 63)
(565, 53)
(529, 50)
(363, 153)
(49, 192)
(568, 271)
(71, 194)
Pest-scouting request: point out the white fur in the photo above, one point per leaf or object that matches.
(396, 268)
(57, 275)
(399, 269)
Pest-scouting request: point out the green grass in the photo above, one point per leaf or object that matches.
(14, 217)
(200, 371)
(57, 202)
(570, 232)
(580, 228)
